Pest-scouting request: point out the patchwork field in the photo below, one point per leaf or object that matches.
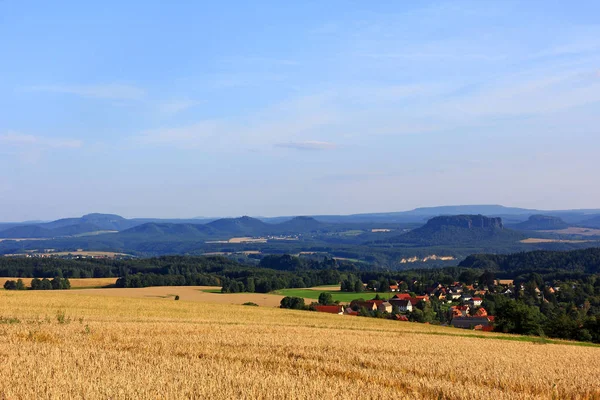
(59, 345)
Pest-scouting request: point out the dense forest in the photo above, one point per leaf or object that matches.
(544, 262)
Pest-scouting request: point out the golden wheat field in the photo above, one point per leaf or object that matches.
(187, 293)
(54, 345)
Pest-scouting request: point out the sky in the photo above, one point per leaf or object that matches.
(265, 108)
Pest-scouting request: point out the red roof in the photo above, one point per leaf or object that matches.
(401, 317)
(477, 299)
(402, 296)
(329, 309)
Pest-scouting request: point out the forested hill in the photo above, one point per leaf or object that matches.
(542, 223)
(460, 230)
(577, 261)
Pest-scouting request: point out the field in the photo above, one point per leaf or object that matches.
(313, 293)
(576, 231)
(539, 240)
(75, 282)
(78, 346)
(206, 294)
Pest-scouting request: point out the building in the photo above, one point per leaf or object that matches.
(385, 307)
(402, 305)
(330, 309)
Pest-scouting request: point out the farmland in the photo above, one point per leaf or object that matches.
(313, 293)
(56, 345)
(205, 294)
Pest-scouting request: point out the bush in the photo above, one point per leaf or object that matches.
(177, 297)
(249, 303)
(294, 303)
(10, 285)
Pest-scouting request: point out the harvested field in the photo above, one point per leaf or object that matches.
(56, 345)
(576, 231)
(539, 240)
(75, 282)
(187, 293)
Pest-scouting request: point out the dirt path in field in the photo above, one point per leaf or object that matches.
(188, 293)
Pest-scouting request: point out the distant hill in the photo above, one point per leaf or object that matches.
(541, 223)
(154, 230)
(41, 232)
(240, 226)
(592, 222)
(459, 230)
(299, 225)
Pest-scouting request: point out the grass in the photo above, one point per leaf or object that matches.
(343, 297)
(73, 346)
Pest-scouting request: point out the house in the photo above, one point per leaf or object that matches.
(475, 302)
(505, 282)
(402, 305)
(481, 312)
(417, 299)
(369, 306)
(452, 295)
(460, 311)
(401, 318)
(350, 311)
(385, 307)
(330, 309)
(507, 292)
(465, 297)
(401, 296)
(393, 288)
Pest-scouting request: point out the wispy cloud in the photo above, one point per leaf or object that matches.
(20, 140)
(29, 149)
(190, 136)
(111, 91)
(308, 145)
(177, 106)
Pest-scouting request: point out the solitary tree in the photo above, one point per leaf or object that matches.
(325, 298)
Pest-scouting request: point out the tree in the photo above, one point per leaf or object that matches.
(35, 284)
(294, 303)
(250, 285)
(10, 285)
(517, 317)
(45, 284)
(358, 286)
(20, 284)
(325, 298)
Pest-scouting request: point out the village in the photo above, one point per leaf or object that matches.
(461, 304)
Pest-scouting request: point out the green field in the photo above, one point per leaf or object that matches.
(344, 297)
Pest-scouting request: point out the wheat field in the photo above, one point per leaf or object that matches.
(57, 346)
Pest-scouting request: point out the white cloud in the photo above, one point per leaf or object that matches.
(308, 145)
(105, 91)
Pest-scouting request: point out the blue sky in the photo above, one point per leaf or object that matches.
(183, 109)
